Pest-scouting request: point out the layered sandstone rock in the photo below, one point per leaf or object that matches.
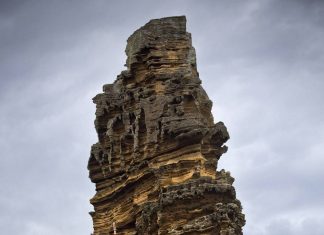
(155, 163)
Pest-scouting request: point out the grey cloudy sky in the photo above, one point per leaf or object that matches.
(261, 62)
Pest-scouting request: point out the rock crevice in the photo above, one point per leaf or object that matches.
(155, 163)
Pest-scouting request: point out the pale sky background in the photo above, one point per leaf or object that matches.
(261, 62)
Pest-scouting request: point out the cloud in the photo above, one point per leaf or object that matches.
(260, 62)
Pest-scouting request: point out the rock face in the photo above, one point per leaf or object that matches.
(155, 163)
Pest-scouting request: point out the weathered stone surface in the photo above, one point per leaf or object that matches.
(155, 163)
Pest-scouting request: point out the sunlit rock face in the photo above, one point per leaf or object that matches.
(155, 164)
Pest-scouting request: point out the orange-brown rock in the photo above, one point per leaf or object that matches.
(155, 164)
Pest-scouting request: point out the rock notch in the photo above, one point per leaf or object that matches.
(155, 164)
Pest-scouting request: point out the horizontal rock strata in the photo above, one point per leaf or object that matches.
(155, 163)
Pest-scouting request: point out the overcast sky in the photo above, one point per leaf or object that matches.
(261, 62)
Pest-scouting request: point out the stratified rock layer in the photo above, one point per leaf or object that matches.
(155, 163)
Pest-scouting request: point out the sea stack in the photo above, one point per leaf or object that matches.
(155, 162)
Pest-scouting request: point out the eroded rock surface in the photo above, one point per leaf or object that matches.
(155, 163)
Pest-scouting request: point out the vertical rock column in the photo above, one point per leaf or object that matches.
(155, 164)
